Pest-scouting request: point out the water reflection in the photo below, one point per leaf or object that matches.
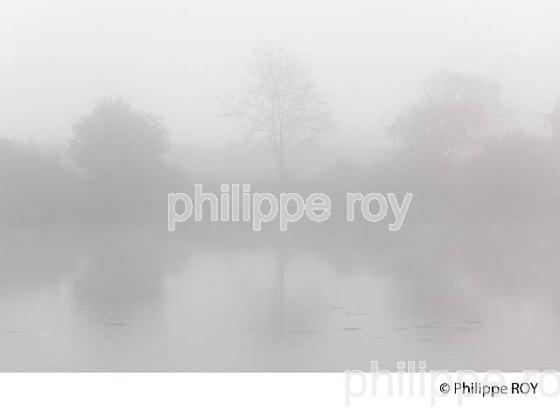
(137, 299)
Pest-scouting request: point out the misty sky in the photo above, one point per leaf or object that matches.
(175, 58)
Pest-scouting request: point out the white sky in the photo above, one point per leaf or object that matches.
(174, 58)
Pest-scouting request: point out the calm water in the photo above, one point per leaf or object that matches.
(127, 301)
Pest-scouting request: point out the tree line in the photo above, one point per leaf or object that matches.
(446, 146)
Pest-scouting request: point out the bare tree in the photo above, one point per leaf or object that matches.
(454, 112)
(279, 105)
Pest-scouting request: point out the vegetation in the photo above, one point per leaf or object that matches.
(446, 150)
(280, 106)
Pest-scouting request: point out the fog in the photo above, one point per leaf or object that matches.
(109, 106)
(175, 58)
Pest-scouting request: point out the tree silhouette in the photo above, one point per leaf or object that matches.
(116, 140)
(279, 105)
(121, 150)
(455, 111)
